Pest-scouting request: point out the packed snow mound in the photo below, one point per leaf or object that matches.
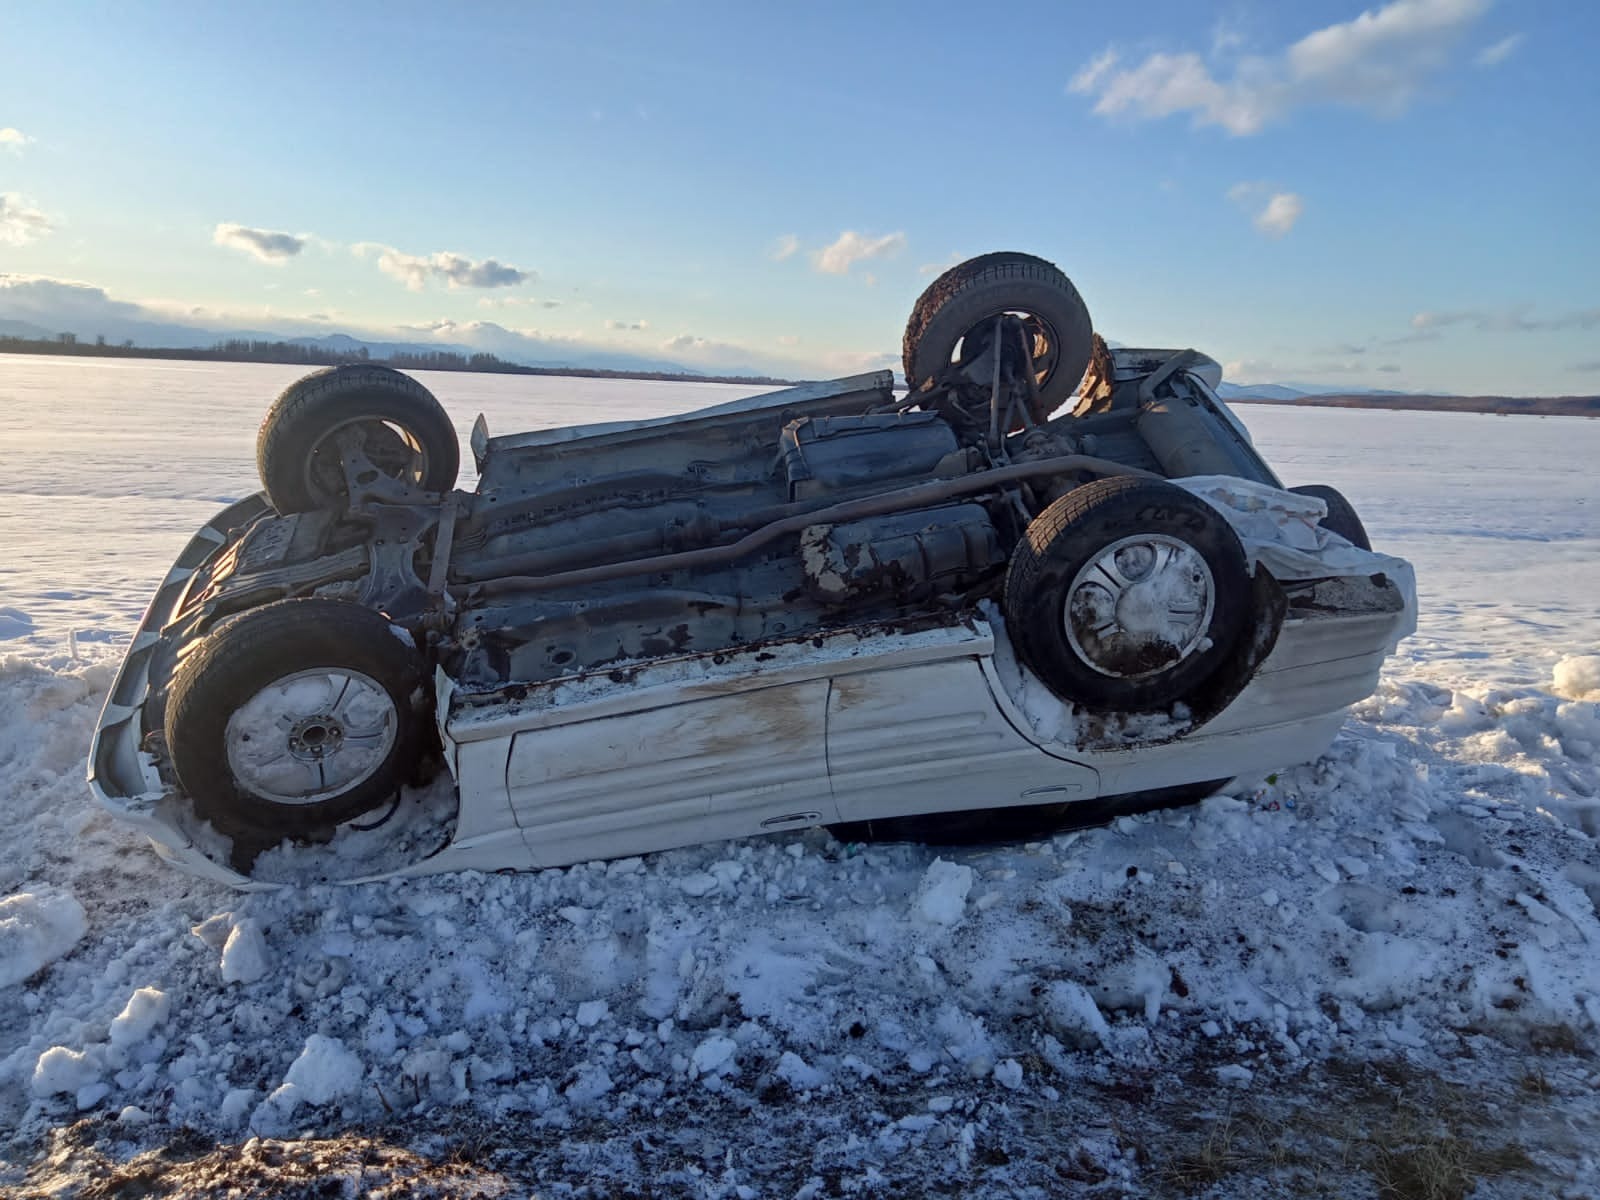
(1578, 677)
(36, 928)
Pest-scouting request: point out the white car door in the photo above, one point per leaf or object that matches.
(931, 738)
(734, 765)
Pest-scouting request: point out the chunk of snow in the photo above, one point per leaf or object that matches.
(698, 884)
(36, 928)
(591, 1083)
(1008, 1074)
(325, 1071)
(941, 897)
(146, 1009)
(715, 1054)
(1074, 1016)
(214, 931)
(592, 1012)
(1239, 1076)
(61, 1069)
(1577, 677)
(797, 1073)
(244, 955)
(235, 1106)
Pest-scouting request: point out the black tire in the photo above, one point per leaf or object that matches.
(268, 647)
(1341, 518)
(299, 467)
(966, 296)
(1137, 671)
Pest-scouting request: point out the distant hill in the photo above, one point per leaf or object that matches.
(1258, 391)
(340, 350)
(1541, 406)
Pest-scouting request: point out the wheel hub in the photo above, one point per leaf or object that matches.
(314, 738)
(311, 735)
(1139, 607)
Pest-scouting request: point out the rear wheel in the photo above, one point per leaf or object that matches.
(953, 324)
(1341, 518)
(380, 418)
(294, 717)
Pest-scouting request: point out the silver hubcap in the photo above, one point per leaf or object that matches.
(1140, 607)
(310, 736)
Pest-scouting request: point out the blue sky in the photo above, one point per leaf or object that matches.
(1397, 196)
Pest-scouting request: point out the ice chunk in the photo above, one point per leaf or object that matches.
(36, 928)
(798, 1073)
(591, 1083)
(699, 883)
(244, 957)
(592, 1012)
(61, 1069)
(1577, 677)
(236, 1107)
(325, 1071)
(146, 1009)
(1008, 1074)
(714, 1055)
(942, 895)
(1074, 1016)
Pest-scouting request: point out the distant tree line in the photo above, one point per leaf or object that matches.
(303, 354)
(1501, 406)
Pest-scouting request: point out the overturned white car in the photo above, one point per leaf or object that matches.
(952, 614)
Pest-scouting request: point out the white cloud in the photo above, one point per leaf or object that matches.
(851, 247)
(1377, 61)
(1095, 71)
(1425, 325)
(488, 273)
(1274, 213)
(265, 245)
(458, 271)
(1254, 370)
(13, 139)
(628, 326)
(1280, 214)
(785, 247)
(788, 339)
(1493, 56)
(20, 222)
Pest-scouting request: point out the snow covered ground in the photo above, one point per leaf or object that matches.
(1378, 970)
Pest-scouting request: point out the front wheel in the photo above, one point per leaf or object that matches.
(294, 717)
(1127, 595)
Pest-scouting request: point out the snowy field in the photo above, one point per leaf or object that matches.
(1378, 974)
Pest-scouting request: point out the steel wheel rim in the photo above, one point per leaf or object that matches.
(312, 735)
(1041, 333)
(1140, 606)
(324, 465)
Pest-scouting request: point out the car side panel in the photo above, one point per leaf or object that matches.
(724, 767)
(931, 739)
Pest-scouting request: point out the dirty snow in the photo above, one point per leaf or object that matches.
(36, 928)
(793, 1016)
